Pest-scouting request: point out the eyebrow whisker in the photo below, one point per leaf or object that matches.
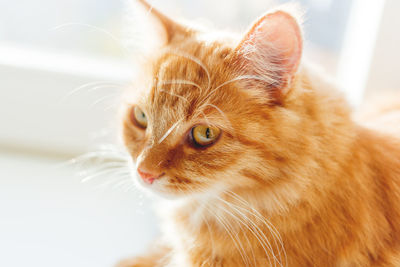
(173, 94)
(183, 82)
(167, 133)
(195, 60)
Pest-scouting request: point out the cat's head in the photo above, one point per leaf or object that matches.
(209, 114)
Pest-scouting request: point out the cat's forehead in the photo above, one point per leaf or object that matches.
(187, 74)
(195, 61)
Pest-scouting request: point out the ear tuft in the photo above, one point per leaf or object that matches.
(171, 27)
(272, 48)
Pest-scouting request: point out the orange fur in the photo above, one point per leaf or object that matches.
(294, 182)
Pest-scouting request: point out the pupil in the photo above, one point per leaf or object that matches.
(143, 116)
(208, 133)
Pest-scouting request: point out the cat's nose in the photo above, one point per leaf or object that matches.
(147, 176)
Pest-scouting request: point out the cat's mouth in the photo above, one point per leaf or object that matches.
(160, 185)
(149, 179)
(167, 186)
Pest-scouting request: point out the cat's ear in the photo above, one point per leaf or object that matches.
(272, 49)
(171, 29)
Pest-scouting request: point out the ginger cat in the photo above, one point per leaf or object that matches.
(258, 156)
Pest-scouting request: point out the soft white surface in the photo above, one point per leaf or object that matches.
(49, 218)
(57, 109)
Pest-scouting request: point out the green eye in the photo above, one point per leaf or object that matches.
(203, 135)
(139, 117)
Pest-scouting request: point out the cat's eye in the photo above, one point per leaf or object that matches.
(139, 117)
(204, 135)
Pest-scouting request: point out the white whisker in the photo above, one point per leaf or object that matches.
(109, 164)
(102, 174)
(221, 112)
(186, 82)
(254, 229)
(243, 77)
(101, 99)
(196, 60)
(107, 33)
(95, 88)
(173, 94)
(169, 131)
(264, 220)
(235, 239)
(86, 85)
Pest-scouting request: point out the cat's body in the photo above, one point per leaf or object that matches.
(293, 180)
(352, 219)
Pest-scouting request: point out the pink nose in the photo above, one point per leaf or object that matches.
(148, 177)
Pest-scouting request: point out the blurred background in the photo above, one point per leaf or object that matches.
(63, 65)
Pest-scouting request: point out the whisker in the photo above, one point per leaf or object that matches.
(264, 220)
(173, 94)
(107, 166)
(98, 155)
(222, 113)
(254, 229)
(102, 174)
(257, 213)
(108, 161)
(186, 82)
(235, 239)
(243, 77)
(117, 180)
(86, 85)
(123, 182)
(110, 107)
(209, 231)
(114, 86)
(197, 61)
(101, 99)
(123, 48)
(169, 131)
(229, 229)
